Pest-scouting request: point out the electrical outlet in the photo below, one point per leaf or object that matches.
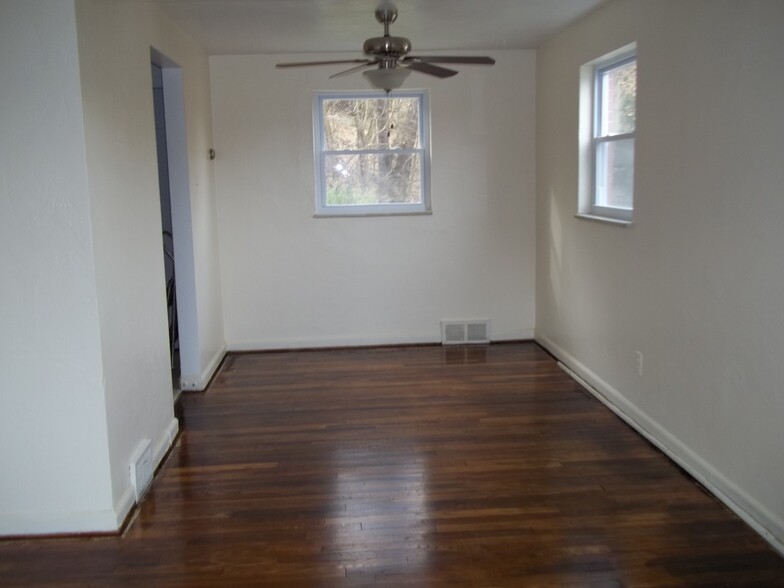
(638, 356)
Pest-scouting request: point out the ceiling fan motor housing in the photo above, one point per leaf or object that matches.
(387, 46)
(390, 54)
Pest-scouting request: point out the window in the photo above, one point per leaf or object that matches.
(607, 174)
(372, 153)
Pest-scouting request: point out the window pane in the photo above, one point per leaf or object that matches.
(371, 123)
(615, 173)
(618, 87)
(366, 179)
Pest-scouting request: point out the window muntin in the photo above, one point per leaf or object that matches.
(372, 154)
(612, 141)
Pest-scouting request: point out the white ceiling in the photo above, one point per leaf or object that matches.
(311, 26)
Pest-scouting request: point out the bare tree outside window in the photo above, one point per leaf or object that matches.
(372, 151)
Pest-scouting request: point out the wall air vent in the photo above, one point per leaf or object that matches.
(465, 332)
(141, 469)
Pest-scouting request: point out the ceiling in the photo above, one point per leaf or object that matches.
(228, 27)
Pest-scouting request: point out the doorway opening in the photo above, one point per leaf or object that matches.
(176, 216)
(166, 224)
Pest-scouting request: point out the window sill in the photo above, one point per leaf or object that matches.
(604, 219)
(370, 214)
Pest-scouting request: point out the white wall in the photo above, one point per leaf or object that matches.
(117, 42)
(114, 50)
(292, 280)
(84, 346)
(54, 458)
(696, 282)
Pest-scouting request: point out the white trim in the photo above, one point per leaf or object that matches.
(751, 511)
(181, 210)
(587, 139)
(197, 383)
(604, 219)
(123, 507)
(89, 521)
(55, 523)
(127, 501)
(165, 442)
(358, 341)
(322, 210)
(371, 214)
(326, 342)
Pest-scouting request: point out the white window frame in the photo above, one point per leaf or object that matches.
(385, 209)
(590, 139)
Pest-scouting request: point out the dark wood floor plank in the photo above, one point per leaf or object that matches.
(422, 466)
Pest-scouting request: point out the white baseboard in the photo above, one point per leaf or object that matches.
(166, 440)
(127, 501)
(197, 383)
(123, 507)
(327, 342)
(755, 514)
(317, 342)
(91, 521)
(55, 523)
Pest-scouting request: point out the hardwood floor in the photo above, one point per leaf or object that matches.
(423, 466)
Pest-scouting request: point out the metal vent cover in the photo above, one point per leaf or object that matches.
(465, 332)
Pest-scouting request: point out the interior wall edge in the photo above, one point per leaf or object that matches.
(127, 502)
(76, 522)
(759, 518)
(123, 508)
(165, 442)
(199, 382)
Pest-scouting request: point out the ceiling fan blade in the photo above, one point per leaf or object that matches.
(353, 69)
(309, 63)
(432, 70)
(468, 60)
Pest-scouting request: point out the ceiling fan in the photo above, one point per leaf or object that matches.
(391, 55)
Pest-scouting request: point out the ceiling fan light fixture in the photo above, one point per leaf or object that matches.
(387, 78)
(391, 54)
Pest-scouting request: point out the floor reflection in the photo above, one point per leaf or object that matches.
(380, 517)
(456, 354)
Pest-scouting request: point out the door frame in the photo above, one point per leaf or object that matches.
(182, 219)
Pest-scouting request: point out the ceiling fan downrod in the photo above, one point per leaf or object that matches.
(391, 57)
(386, 14)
